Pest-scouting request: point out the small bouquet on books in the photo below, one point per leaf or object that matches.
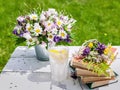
(92, 63)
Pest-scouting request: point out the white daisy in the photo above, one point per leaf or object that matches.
(54, 31)
(28, 27)
(62, 34)
(21, 19)
(59, 22)
(36, 25)
(33, 16)
(71, 21)
(50, 37)
(48, 25)
(65, 20)
(30, 41)
(52, 11)
(69, 26)
(37, 31)
(42, 17)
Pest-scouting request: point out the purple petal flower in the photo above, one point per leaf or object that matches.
(21, 20)
(15, 31)
(57, 39)
(68, 38)
(86, 51)
(53, 26)
(100, 48)
(18, 31)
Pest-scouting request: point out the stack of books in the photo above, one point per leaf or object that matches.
(90, 78)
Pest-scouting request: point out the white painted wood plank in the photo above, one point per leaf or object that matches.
(27, 64)
(23, 52)
(32, 81)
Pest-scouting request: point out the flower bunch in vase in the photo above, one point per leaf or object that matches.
(48, 27)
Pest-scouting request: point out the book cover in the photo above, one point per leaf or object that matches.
(94, 79)
(101, 83)
(84, 72)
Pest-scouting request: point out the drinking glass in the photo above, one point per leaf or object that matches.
(59, 63)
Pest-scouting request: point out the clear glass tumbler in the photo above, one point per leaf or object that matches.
(59, 63)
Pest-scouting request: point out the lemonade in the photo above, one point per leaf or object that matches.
(58, 61)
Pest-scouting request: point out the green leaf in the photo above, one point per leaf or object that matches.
(20, 40)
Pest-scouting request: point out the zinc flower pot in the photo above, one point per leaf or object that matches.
(41, 53)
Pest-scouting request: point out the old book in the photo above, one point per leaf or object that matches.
(94, 79)
(114, 50)
(78, 64)
(84, 72)
(102, 83)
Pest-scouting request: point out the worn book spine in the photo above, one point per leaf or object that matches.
(101, 83)
(94, 79)
(88, 79)
(78, 64)
(84, 72)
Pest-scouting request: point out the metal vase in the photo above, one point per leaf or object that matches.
(41, 53)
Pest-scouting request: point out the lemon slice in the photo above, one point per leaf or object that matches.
(59, 55)
(54, 51)
(57, 51)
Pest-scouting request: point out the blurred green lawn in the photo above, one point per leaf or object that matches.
(98, 19)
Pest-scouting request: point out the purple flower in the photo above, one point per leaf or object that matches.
(57, 39)
(86, 51)
(18, 31)
(68, 39)
(100, 48)
(21, 20)
(15, 31)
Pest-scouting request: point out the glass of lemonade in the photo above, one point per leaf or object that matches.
(59, 63)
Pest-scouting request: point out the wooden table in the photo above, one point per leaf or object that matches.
(24, 72)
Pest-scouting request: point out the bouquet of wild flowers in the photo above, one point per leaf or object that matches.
(96, 56)
(49, 27)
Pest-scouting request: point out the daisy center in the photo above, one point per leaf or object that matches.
(29, 28)
(34, 17)
(62, 34)
(49, 24)
(37, 30)
(30, 40)
(50, 36)
(59, 22)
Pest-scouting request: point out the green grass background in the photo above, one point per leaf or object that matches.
(98, 19)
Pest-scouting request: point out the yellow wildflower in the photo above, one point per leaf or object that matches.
(109, 46)
(106, 51)
(90, 45)
(112, 57)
